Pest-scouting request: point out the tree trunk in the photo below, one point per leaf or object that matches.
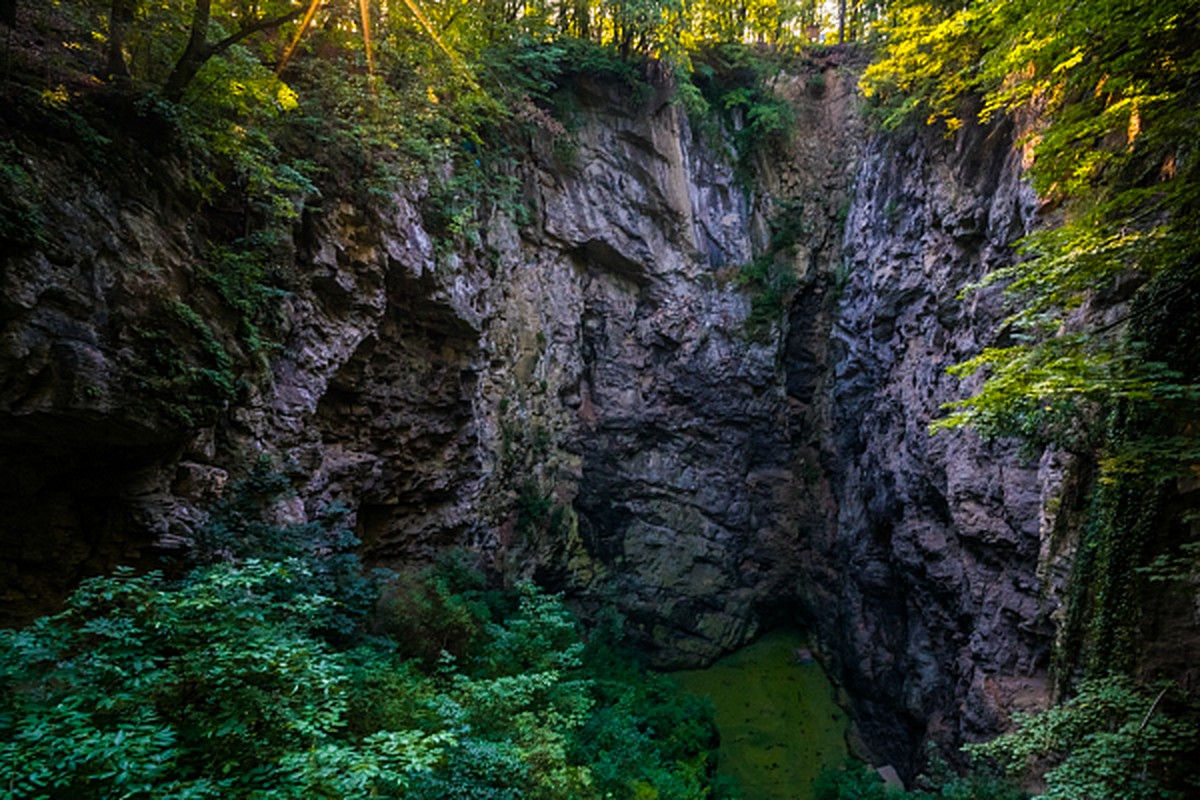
(199, 51)
(194, 55)
(8, 12)
(120, 20)
(582, 19)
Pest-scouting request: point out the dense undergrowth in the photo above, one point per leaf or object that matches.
(270, 668)
(1112, 740)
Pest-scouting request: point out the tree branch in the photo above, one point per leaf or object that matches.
(250, 30)
(199, 51)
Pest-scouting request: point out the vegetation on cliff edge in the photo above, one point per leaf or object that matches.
(262, 103)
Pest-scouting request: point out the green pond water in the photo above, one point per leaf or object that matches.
(780, 725)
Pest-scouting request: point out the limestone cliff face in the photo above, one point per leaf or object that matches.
(943, 625)
(577, 397)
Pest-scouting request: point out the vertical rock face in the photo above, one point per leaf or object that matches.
(84, 457)
(666, 425)
(578, 398)
(941, 627)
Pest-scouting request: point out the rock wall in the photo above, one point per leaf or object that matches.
(942, 625)
(577, 397)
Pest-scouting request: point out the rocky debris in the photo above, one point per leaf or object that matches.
(890, 777)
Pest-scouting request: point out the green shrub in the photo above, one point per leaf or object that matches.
(428, 615)
(852, 781)
(1114, 740)
(144, 688)
(731, 79)
(855, 781)
(244, 525)
(228, 683)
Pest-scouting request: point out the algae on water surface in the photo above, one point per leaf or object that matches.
(780, 724)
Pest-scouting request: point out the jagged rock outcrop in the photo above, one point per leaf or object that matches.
(942, 626)
(576, 397)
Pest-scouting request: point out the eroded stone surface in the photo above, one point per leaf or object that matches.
(943, 626)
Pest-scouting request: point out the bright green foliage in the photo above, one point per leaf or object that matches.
(247, 678)
(1112, 741)
(1110, 90)
(207, 688)
(1114, 88)
(218, 686)
(930, 60)
(852, 782)
(1057, 389)
(640, 26)
(242, 526)
(760, 20)
(230, 119)
(730, 82)
(856, 782)
(1107, 91)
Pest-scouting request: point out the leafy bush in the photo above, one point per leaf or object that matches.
(1113, 740)
(245, 525)
(1111, 94)
(436, 611)
(230, 122)
(207, 687)
(242, 679)
(731, 79)
(1098, 355)
(182, 364)
(854, 781)
(850, 782)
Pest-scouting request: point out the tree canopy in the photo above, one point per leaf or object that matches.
(1109, 91)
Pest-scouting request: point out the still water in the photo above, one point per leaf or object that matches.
(779, 723)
